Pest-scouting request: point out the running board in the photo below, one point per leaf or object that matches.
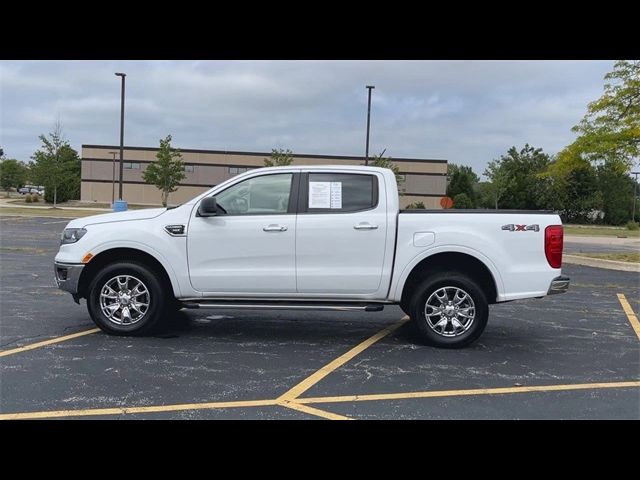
(343, 307)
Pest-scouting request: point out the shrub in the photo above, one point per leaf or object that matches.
(633, 225)
(28, 198)
(415, 206)
(462, 200)
(35, 198)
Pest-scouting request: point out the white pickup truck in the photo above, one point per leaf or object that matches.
(310, 237)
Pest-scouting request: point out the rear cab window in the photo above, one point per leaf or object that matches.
(338, 192)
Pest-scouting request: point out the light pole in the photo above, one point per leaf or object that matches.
(113, 179)
(635, 195)
(122, 76)
(366, 154)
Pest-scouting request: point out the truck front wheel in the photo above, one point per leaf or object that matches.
(126, 298)
(449, 309)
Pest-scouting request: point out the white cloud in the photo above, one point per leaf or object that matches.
(465, 111)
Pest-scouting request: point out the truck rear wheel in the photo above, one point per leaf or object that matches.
(449, 309)
(126, 298)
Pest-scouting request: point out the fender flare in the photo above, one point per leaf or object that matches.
(486, 261)
(103, 247)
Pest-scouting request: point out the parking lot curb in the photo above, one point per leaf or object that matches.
(602, 263)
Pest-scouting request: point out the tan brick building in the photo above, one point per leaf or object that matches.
(425, 179)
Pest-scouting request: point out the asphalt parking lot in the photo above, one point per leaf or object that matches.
(571, 356)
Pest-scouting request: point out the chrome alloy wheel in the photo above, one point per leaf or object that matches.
(450, 311)
(124, 300)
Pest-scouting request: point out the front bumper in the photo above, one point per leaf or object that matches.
(559, 285)
(67, 276)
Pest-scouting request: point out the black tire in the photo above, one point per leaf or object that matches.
(405, 308)
(425, 289)
(161, 301)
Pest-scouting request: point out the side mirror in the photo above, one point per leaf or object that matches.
(208, 207)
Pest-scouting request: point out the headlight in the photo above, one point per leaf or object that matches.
(71, 235)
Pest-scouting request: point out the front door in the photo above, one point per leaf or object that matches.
(250, 246)
(341, 234)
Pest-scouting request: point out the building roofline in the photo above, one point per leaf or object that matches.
(266, 154)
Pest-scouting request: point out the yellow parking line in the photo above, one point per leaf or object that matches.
(311, 380)
(131, 410)
(470, 392)
(51, 341)
(301, 404)
(290, 399)
(314, 411)
(633, 320)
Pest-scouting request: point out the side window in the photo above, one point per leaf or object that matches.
(341, 192)
(268, 194)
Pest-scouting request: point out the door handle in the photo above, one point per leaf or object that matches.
(275, 228)
(365, 226)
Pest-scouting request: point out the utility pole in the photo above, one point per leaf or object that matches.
(113, 178)
(366, 154)
(635, 195)
(57, 176)
(122, 76)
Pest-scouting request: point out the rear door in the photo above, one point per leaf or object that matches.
(341, 233)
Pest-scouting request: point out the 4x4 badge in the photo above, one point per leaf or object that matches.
(521, 228)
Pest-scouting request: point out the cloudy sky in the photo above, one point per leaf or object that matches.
(467, 112)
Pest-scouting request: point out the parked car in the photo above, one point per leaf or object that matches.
(23, 190)
(316, 237)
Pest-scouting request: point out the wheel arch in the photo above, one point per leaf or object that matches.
(118, 254)
(463, 262)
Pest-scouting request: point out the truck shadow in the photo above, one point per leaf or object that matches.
(274, 326)
(321, 327)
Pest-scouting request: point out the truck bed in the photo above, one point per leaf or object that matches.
(500, 239)
(479, 211)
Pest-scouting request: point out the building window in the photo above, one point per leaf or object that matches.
(188, 168)
(131, 165)
(237, 170)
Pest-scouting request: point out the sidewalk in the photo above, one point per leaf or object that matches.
(574, 245)
(603, 240)
(601, 263)
(8, 203)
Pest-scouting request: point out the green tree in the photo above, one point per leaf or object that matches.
(499, 182)
(12, 173)
(167, 171)
(56, 166)
(517, 180)
(573, 189)
(279, 158)
(611, 128)
(386, 162)
(1, 153)
(462, 179)
(485, 195)
(462, 200)
(616, 188)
